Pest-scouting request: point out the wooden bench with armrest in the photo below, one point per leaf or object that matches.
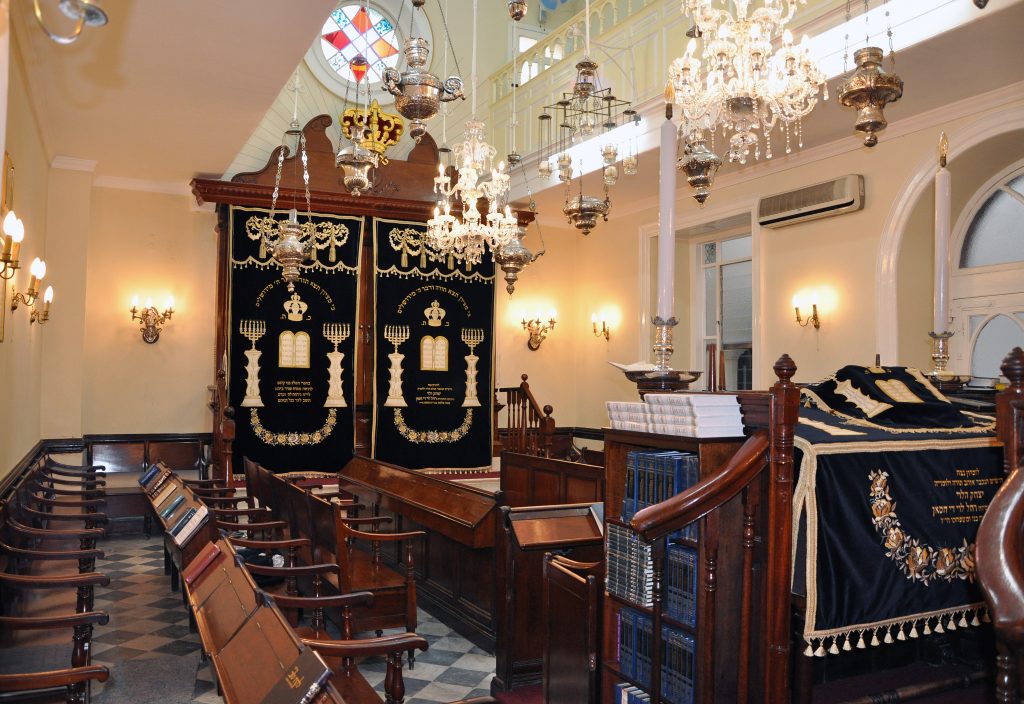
(246, 659)
(40, 597)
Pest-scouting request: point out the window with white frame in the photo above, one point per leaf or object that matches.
(725, 326)
(987, 282)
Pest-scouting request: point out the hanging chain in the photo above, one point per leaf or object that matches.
(867, 26)
(888, 33)
(846, 40)
(277, 181)
(305, 172)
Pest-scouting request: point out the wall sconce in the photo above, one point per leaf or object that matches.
(538, 330)
(37, 271)
(14, 233)
(813, 319)
(41, 316)
(604, 332)
(150, 319)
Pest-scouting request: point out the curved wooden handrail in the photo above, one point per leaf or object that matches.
(26, 681)
(704, 497)
(1000, 540)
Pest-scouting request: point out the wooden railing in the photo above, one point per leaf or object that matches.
(760, 477)
(529, 429)
(1000, 541)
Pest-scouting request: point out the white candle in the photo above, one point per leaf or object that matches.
(942, 217)
(666, 220)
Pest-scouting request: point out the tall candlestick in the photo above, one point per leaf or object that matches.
(942, 228)
(666, 220)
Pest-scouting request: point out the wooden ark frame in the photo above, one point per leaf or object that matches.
(455, 564)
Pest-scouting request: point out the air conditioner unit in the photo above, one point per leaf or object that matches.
(821, 200)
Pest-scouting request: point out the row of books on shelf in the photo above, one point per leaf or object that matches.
(181, 517)
(699, 415)
(655, 475)
(677, 654)
(629, 574)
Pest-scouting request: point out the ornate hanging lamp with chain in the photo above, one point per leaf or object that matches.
(290, 243)
(419, 93)
(870, 88)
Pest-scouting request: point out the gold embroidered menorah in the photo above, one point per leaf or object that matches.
(252, 330)
(336, 333)
(472, 337)
(396, 334)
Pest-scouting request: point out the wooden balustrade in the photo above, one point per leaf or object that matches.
(529, 429)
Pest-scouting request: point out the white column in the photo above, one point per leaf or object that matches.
(942, 231)
(666, 221)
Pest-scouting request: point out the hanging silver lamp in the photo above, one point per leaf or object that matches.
(700, 165)
(868, 91)
(419, 93)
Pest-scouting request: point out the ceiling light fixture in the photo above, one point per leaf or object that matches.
(466, 238)
(419, 93)
(82, 12)
(741, 86)
(869, 89)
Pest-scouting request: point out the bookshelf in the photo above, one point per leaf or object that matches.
(718, 544)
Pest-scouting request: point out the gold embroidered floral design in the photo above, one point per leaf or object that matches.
(916, 560)
(433, 436)
(293, 437)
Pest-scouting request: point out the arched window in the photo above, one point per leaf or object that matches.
(987, 283)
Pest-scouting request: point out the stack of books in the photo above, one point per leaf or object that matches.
(655, 475)
(630, 569)
(687, 414)
(635, 631)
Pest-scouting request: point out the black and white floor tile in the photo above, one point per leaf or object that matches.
(153, 656)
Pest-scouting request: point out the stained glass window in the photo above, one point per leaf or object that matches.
(359, 42)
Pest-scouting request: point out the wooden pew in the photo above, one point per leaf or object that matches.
(41, 596)
(252, 645)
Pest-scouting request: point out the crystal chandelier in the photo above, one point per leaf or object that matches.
(466, 238)
(870, 88)
(738, 84)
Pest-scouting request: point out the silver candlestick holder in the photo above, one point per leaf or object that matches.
(940, 351)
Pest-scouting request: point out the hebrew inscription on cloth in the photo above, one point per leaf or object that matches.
(289, 372)
(434, 345)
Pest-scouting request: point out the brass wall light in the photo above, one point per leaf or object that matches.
(41, 315)
(37, 271)
(604, 331)
(812, 319)
(14, 233)
(150, 319)
(538, 330)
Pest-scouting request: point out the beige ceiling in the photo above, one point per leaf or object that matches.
(167, 90)
(171, 90)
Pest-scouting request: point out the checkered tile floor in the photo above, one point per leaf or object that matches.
(149, 623)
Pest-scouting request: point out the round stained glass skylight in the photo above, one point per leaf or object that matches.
(359, 43)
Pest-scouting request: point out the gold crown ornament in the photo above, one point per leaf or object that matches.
(378, 130)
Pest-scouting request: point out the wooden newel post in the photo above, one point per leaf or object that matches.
(1000, 545)
(785, 405)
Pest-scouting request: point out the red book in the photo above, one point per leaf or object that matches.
(194, 570)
